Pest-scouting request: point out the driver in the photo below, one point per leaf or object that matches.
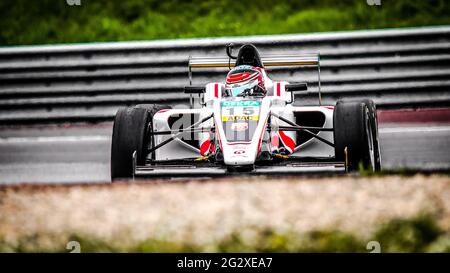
(245, 80)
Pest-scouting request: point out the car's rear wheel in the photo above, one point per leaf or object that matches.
(356, 131)
(131, 133)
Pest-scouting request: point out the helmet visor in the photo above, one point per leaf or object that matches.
(240, 89)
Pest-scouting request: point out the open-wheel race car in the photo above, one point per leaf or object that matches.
(248, 123)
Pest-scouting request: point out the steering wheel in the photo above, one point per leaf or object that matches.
(245, 93)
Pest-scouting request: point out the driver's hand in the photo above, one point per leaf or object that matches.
(258, 91)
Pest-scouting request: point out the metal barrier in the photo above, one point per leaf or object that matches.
(88, 82)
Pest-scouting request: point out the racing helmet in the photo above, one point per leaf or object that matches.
(245, 80)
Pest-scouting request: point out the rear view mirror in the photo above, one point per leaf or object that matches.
(194, 89)
(292, 87)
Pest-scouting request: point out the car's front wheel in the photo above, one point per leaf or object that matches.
(129, 135)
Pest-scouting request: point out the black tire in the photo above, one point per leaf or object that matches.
(152, 109)
(131, 132)
(376, 138)
(355, 128)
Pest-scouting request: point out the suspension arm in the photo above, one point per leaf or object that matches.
(193, 130)
(178, 134)
(300, 128)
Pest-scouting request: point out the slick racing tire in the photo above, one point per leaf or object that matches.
(355, 128)
(131, 132)
(152, 109)
(376, 138)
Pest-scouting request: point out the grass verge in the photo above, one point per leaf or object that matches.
(417, 234)
(49, 21)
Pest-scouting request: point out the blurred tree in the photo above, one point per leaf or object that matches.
(53, 21)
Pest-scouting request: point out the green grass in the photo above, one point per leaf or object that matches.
(53, 21)
(406, 172)
(418, 234)
(414, 235)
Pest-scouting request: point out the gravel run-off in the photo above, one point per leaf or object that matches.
(208, 210)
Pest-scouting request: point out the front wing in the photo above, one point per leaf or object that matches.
(193, 168)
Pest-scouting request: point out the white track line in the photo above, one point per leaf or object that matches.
(52, 139)
(415, 129)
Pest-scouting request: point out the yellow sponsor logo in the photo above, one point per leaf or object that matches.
(236, 118)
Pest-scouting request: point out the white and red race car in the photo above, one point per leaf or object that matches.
(248, 123)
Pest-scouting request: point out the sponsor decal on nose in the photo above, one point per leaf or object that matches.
(239, 126)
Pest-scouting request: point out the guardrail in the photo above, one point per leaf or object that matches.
(88, 82)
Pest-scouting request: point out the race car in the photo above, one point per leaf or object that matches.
(248, 123)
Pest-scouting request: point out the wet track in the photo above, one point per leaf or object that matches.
(81, 153)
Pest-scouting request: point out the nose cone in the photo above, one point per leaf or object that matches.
(239, 155)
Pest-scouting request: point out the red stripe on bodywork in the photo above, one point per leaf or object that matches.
(204, 147)
(287, 141)
(216, 90)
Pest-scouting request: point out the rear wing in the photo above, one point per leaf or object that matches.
(300, 60)
(268, 61)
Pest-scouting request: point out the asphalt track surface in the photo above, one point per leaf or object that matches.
(74, 154)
